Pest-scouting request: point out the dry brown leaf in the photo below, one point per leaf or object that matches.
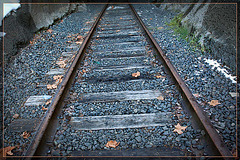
(160, 76)
(113, 144)
(160, 98)
(48, 102)
(59, 81)
(214, 102)
(15, 116)
(51, 86)
(84, 71)
(78, 42)
(25, 134)
(179, 128)
(79, 37)
(50, 30)
(6, 151)
(44, 109)
(196, 95)
(62, 64)
(137, 74)
(57, 77)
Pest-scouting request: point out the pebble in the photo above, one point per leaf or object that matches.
(139, 139)
(213, 80)
(30, 67)
(128, 137)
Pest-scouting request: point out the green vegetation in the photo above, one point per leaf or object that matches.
(184, 33)
(175, 24)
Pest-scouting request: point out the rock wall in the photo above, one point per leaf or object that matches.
(214, 24)
(21, 25)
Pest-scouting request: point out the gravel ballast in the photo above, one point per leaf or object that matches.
(89, 80)
(200, 77)
(27, 74)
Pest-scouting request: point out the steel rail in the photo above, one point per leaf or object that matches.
(59, 96)
(208, 127)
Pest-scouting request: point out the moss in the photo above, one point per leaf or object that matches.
(184, 33)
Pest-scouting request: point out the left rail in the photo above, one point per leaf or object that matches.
(61, 92)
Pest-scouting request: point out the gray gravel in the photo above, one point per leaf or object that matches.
(148, 137)
(198, 75)
(26, 75)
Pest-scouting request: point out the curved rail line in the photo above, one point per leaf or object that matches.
(213, 138)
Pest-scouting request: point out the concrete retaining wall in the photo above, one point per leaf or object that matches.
(214, 24)
(21, 25)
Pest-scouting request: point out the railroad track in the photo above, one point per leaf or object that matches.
(121, 96)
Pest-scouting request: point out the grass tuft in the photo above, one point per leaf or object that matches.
(184, 33)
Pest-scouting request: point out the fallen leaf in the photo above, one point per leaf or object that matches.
(51, 86)
(113, 144)
(160, 28)
(48, 102)
(79, 37)
(6, 151)
(78, 42)
(15, 116)
(179, 128)
(57, 77)
(84, 71)
(61, 64)
(44, 109)
(214, 102)
(196, 95)
(137, 74)
(160, 98)
(25, 134)
(50, 30)
(160, 76)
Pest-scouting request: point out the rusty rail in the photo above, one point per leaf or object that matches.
(61, 91)
(208, 127)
